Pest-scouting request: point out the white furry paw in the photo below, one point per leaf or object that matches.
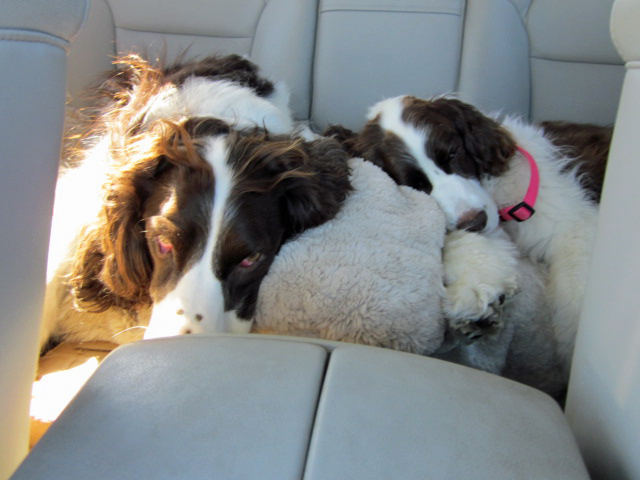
(480, 276)
(473, 327)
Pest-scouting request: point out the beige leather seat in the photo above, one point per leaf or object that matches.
(277, 35)
(604, 393)
(542, 59)
(254, 407)
(285, 408)
(34, 38)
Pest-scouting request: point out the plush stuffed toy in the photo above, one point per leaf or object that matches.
(372, 275)
(375, 275)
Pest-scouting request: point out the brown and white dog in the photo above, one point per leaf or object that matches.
(178, 201)
(482, 170)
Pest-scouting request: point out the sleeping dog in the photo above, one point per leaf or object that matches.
(485, 172)
(177, 201)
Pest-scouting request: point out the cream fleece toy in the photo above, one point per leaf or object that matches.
(372, 275)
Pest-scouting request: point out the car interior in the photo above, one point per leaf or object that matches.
(278, 407)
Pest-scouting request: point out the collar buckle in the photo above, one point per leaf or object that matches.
(520, 212)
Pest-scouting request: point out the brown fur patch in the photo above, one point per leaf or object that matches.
(588, 146)
(461, 139)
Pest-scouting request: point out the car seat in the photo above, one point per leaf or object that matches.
(34, 39)
(283, 407)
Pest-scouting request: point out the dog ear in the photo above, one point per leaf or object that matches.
(315, 184)
(484, 140)
(112, 266)
(347, 138)
(309, 180)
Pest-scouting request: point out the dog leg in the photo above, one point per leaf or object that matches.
(480, 276)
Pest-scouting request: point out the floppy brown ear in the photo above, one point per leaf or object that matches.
(348, 139)
(112, 265)
(317, 186)
(484, 139)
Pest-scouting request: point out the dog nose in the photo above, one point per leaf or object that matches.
(473, 221)
(192, 322)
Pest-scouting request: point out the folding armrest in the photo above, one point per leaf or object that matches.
(259, 407)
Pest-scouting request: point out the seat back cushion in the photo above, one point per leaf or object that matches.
(368, 50)
(278, 35)
(576, 72)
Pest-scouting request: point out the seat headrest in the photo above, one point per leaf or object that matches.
(625, 18)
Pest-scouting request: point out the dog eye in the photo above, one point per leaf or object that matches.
(164, 247)
(251, 260)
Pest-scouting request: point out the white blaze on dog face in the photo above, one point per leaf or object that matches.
(188, 297)
(214, 224)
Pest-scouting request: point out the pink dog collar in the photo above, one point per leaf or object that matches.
(524, 210)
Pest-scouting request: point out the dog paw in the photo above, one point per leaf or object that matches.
(480, 276)
(470, 329)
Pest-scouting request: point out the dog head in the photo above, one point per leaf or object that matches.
(194, 217)
(194, 209)
(443, 147)
(192, 222)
